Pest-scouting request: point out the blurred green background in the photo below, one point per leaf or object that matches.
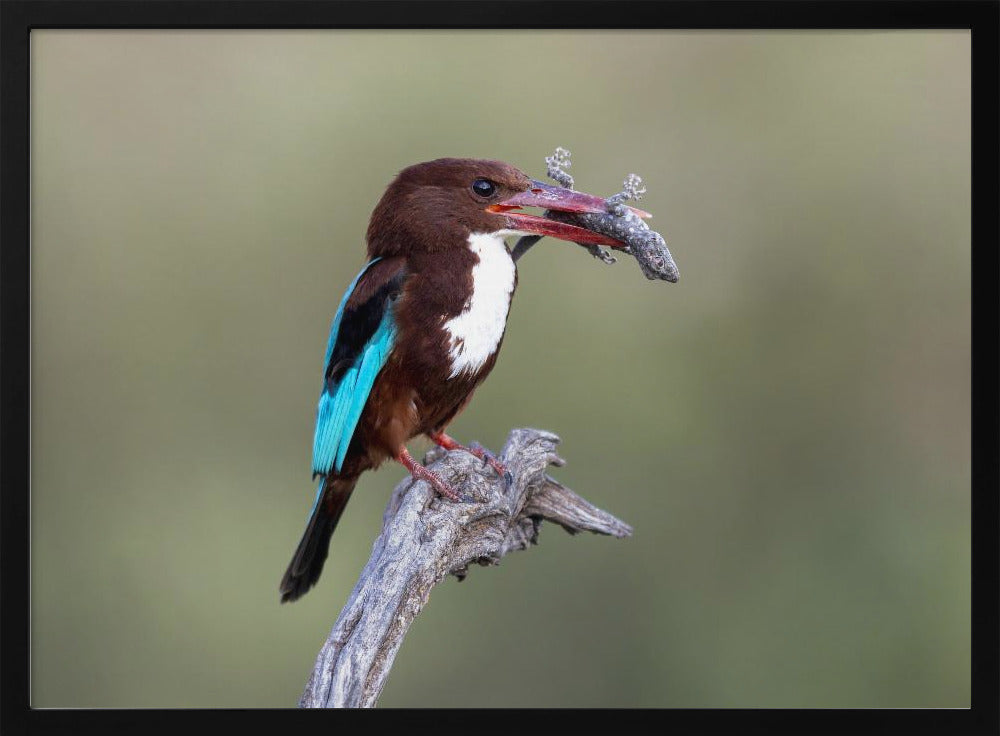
(787, 428)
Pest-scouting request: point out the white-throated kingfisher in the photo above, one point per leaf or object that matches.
(420, 326)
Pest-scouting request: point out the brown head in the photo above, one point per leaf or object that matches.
(436, 205)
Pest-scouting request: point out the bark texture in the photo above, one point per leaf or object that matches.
(425, 538)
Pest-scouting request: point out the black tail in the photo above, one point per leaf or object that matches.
(307, 563)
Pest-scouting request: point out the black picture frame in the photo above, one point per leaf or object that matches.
(18, 18)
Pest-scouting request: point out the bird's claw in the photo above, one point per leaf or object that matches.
(438, 484)
(490, 459)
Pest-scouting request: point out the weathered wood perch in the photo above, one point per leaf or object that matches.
(426, 538)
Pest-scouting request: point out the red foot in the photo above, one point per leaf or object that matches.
(419, 472)
(449, 443)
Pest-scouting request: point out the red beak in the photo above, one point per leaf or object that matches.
(562, 200)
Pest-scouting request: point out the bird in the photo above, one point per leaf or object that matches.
(420, 326)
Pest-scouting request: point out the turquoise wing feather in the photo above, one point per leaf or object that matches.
(335, 327)
(343, 397)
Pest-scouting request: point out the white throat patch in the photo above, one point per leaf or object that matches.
(476, 332)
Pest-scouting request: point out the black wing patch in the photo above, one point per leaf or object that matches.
(357, 326)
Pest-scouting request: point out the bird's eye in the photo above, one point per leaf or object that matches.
(484, 187)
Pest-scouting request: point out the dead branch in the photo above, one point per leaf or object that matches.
(424, 539)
